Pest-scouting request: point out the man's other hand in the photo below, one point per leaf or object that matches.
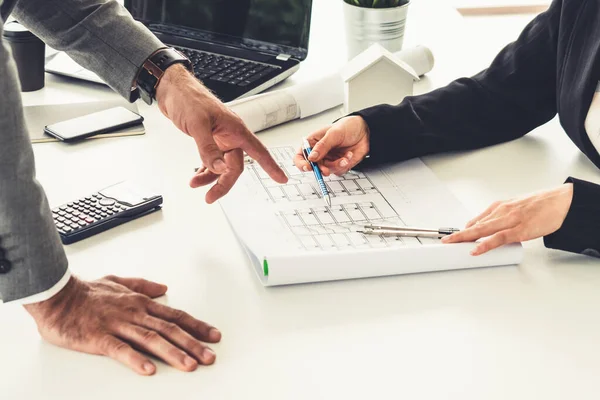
(117, 317)
(221, 136)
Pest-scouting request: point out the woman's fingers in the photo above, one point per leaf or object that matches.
(484, 214)
(341, 165)
(313, 139)
(484, 229)
(332, 139)
(496, 240)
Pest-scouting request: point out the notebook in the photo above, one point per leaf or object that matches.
(37, 117)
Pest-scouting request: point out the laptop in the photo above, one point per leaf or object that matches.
(238, 48)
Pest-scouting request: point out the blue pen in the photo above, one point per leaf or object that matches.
(317, 172)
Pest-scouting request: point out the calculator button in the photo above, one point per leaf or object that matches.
(103, 214)
(107, 202)
(55, 210)
(60, 219)
(87, 202)
(64, 208)
(90, 220)
(66, 229)
(116, 209)
(62, 213)
(86, 207)
(82, 223)
(76, 213)
(69, 210)
(88, 197)
(74, 226)
(97, 196)
(60, 225)
(74, 219)
(117, 205)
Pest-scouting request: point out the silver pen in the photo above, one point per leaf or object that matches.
(407, 231)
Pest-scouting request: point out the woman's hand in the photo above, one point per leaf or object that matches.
(337, 148)
(517, 220)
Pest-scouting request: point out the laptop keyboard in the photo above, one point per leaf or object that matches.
(209, 66)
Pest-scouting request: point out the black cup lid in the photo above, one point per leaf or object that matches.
(14, 29)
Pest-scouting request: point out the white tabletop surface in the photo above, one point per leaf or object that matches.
(521, 332)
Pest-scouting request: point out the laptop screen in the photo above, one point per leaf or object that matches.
(281, 22)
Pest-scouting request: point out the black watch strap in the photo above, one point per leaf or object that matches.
(154, 68)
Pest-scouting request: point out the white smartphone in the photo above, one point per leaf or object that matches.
(93, 124)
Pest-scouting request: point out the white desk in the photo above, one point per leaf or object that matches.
(525, 332)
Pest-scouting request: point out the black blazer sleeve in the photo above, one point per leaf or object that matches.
(507, 100)
(579, 231)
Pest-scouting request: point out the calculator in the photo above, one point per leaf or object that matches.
(103, 210)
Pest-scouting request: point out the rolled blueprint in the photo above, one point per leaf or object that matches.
(302, 100)
(420, 58)
(269, 109)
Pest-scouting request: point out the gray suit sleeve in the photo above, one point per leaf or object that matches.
(100, 35)
(30, 248)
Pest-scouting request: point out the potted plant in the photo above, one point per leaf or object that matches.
(375, 21)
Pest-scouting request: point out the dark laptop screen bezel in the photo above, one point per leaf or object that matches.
(275, 49)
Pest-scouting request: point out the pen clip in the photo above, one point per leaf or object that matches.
(305, 156)
(305, 152)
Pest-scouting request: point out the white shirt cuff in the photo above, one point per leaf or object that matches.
(36, 298)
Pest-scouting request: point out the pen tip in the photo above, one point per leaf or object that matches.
(328, 200)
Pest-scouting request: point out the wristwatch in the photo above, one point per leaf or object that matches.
(154, 68)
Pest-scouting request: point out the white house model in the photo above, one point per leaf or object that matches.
(376, 76)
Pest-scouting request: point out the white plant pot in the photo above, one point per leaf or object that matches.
(365, 26)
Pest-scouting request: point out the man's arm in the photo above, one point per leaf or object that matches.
(32, 259)
(100, 35)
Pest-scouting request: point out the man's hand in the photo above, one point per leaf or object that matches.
(337, 148)
(113, 316)
(221, 136)
(518, 220)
